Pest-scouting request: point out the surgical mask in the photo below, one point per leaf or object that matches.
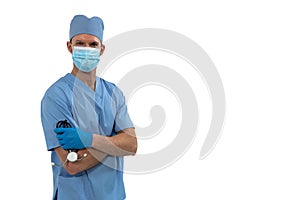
(86, 58)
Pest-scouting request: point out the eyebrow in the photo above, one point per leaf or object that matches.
(94, 43)
(91, 42)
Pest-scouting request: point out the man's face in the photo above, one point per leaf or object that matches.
(85, 40)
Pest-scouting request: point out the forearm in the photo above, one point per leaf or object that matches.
(122, 144)
(92, 159)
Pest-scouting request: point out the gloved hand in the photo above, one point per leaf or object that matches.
(73, 138)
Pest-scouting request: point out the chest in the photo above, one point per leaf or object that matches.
(94, 112)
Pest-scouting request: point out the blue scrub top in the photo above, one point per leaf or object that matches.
(103, 111)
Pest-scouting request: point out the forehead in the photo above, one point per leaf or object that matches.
(85, 38)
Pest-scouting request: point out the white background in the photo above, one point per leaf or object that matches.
(255, 47)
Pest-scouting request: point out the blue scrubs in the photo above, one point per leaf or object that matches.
(102, 111)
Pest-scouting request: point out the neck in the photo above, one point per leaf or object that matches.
(88, 78)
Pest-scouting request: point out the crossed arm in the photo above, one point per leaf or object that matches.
(124, 143)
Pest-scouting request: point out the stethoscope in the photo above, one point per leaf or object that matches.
(72, 155)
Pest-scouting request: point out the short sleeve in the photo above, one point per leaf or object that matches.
(122, 118)
(54, 107)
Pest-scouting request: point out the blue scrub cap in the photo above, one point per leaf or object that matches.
(81, 24)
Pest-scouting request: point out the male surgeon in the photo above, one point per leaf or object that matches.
(86, 124)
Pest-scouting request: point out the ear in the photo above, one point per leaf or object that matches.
(102, 49)
(69, 46)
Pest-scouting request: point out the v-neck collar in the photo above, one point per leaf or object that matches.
(76, 82)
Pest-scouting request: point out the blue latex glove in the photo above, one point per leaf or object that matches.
(73, 138)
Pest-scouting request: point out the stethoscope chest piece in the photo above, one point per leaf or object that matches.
(72, 156)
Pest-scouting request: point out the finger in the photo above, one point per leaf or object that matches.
(59, 130)
(60, 136)
(67, 146)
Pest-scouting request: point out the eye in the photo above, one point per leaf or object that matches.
(79, 44)
(94, 44)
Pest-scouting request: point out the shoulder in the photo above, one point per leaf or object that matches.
(58, 89)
